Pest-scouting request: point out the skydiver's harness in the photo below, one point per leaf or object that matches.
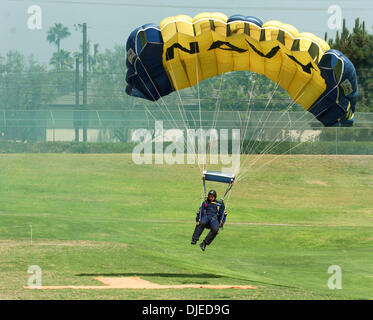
(217, 177)
(203, 208)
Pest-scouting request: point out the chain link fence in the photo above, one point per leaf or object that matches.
(293, 132)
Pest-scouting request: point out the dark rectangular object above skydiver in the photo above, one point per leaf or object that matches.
(218, 176)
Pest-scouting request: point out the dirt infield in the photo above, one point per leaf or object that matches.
(138, 283)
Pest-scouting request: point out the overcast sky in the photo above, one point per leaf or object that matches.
(111, 21)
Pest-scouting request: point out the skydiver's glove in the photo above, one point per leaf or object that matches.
(197, 218)
(222, 221)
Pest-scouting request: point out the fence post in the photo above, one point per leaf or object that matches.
(77, 102)
(100, 132)
(4, 130)
(85, 82)
(54, 124)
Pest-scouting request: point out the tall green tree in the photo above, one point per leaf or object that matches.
(62, 60)
(358, 47)
(93, 54)
(92, 57)
(24, 85)
(108, 81)
(57, 33)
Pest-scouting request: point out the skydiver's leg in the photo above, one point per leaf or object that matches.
(199, 228)
(214, 226)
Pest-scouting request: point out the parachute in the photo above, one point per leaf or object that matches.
(183, 51)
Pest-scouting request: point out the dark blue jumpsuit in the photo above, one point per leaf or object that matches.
(209, 216)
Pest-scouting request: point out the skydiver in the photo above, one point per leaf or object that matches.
(212, 216)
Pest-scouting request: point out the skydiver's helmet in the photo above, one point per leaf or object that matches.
(213, 193)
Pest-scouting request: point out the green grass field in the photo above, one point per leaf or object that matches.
(97, 215)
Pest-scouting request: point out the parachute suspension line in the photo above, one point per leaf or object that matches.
(155, 119)
(204, 189)
(157, 104)
(263, 124)
(160, 106)
(273, 144)
(163, 101)
(184, 118)
(227, 191)
(200, 112)
(274, 125)
(151, 113)
(257, 125)
(269, 148)
(148, 111)
(153, 99)
(226, 203)
(296, 146)
(147, 117)
(185, 121)
(182, 112)
(247, 117)
(279, 155)
(244, 176)
(282, 140)
(151, 94)
(265, 121)
(217, 104)
(203, 192)
(217, 109)
(258, 129)
(174, 121)
(289, 122)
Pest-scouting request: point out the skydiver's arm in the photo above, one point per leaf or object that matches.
(199, 212)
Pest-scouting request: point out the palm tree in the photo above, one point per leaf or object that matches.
(57, 33)
(62, 60)
(92, 59)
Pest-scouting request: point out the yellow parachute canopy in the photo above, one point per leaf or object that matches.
(207, 45)
(183, 51)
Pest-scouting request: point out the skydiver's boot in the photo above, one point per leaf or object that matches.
(203, 245)
(194, 241)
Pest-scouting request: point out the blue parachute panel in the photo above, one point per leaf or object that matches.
(146, 77)
(337, 104)
(251, 19)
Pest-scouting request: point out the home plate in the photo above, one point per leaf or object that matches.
(138, 283)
